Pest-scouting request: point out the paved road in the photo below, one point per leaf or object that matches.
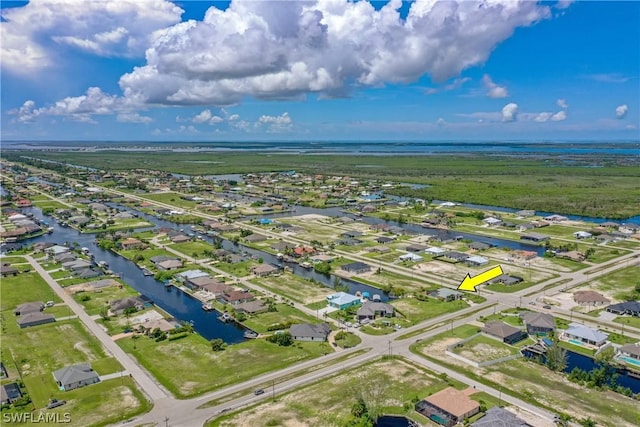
(145, 381)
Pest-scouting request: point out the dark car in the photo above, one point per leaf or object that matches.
(258, 392)
(546, 307)
(54, 403)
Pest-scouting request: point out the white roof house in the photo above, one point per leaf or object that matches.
(477, 260)
(191, 274)
(582, 234)
(585, 334)
(434, 250)
(410, 257)
(342, 300)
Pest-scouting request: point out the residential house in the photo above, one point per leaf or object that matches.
(169, 264)
(384, 240)
(445, 294)
(75, 376)
(190, 274)
(180, 238)
(234, 297)
(349, 242)
(65, 257)
(534, 237)
(526, 213)
(415, 248)
(343, 300)
(263, 270)
(161, 258)
(555, 218)
(139, 302)
(356, 267)
(7, 270)
(131, 243)
(370, 310)
(56, 250)
(448, 407)
(503, 331)
(201, 281)
(453, 256)
(632, 308)
(476, 261)
(34, 319)
(507, 280)
(630, 350)
(410, 257)
(500, 417)
(435, 251)
(492, 222)
(479, 246)
(216, 289)
(29, 307)
(578, 333)
(87, 273)
(351, 234)
(255, 237)
(582, 235)
(592, 298)
(9, 393)
(77, 264)
(152, 324)
(252, 307)
(538, 323)
(310, 332)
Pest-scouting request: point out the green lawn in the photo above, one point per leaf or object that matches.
(483, 348)
(621, 281)
(416, 311)
(172, 199)
(628, 320)
(191, 248)
(196, 369)
(295, 288)
(238, 269)
(348, 340)
(260, 322)
(24, 287)
(100, 298)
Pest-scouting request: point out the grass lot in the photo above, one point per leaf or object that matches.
(388, 384)
(386, 278)
(285, 313)
(102, 297)
(619, 282)
(416, 311)
(190, 248)
(348, 340)
(196, 369)
(294, 287)
(238, 269)
(24, 287)
(627, 320)
(499, 287)
(483, 348)
(172, 199)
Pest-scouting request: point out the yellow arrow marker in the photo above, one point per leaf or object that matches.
(469, 283)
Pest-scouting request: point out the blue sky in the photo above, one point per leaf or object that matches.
(320, 70)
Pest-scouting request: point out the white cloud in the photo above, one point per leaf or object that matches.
(455, 84)
(493, 90)
(607, 78)
(133, 118)
(562, 103)
(81, 108)
(621, 111)
(202, 117)
(559, 116)
(542, 117)
(279, 123)
(327, 47)
(510, 112)
(32, 35)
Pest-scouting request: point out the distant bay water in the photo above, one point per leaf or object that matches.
(381, 148)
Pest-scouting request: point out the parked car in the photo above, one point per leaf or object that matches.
(258, 392)
(49, 304)
(54, 403)
(546, 307)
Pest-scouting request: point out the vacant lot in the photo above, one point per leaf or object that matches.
(24, 287)
(294, 287)
(284, 314)
(386, 384)
(195, 368)
(416, 311)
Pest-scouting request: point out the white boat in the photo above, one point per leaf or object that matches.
(225, 317)
(207, 306)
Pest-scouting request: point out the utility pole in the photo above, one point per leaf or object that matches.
(273, 390)
(166, 421)
(389, 348)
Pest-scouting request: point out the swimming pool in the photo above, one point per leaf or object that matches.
(576, 342)
(630, 360)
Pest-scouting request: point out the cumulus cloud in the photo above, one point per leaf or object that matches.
(562, 103)
(621, 111)
(559, 116)
(510, 112)
(279, 123)
(493, 90)
(133, 118)
(32, 34)
(81, 108)
(326, 47)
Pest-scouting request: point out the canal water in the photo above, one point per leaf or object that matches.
(586, 363)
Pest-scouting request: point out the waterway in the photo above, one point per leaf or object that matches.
(586, 363)
(174, 301)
